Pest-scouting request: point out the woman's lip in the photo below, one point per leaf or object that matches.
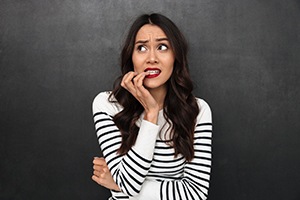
(151, 75)
(153, 72)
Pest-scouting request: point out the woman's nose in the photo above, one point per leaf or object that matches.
(152, 57)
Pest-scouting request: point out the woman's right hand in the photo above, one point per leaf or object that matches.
(133, 82)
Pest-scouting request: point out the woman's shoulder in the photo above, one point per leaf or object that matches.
(103, 96)
(202, 103)
(105, 102)
(205, 111)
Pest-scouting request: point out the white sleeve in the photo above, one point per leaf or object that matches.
(149, 191)
(128, 171)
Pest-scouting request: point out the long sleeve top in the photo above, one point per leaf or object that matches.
(149, 170)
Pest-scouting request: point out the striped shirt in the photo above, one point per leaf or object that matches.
(150, 170)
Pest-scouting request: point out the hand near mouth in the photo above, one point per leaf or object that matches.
(133, 82)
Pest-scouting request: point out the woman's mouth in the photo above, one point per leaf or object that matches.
(153, 72)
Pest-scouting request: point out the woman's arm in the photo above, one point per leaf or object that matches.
(196, 176)
(128, 171)
(195, 181)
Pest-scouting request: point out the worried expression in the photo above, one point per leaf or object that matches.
(153, 53)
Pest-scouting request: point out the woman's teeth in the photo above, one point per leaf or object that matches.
(151, 72)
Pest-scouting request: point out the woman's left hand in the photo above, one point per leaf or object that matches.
(102, 175)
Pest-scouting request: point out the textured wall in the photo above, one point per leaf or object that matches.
(55, 56)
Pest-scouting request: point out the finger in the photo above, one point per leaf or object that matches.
(139, 85)
(105, 170)
(97, 179)
(139, 78)
(99, 158)
(125, 77)
(100, 168)
(99, 161)
(127, 81)
(97, 173)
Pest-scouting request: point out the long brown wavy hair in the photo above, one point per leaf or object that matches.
(180, 106)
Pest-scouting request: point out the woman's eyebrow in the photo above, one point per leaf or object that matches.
(141, 41)
(157, 40)
(162, 39)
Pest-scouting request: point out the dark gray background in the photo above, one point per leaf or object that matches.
(55, 56)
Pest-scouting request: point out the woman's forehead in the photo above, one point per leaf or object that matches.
(149, 31)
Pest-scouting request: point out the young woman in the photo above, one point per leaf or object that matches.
(155, 135)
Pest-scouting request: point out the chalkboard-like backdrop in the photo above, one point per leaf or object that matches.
(55, 56)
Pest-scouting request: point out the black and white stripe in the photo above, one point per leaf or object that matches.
(178, 179)
(194, 182)
(128, 171)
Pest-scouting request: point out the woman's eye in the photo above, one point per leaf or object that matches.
(141, 48)
(162, 47)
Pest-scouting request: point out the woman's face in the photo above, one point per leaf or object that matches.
(153, 53)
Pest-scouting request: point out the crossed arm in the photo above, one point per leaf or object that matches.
(127, 173)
